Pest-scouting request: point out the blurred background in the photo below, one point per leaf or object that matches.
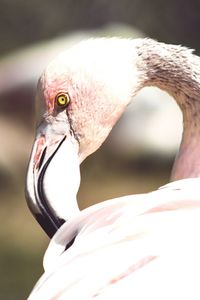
(138, 155)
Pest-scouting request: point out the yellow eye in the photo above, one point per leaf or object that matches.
(62, 100)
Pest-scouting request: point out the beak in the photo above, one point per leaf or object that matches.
(53, 178)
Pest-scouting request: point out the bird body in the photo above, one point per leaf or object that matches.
(136, 246)
(141, 246)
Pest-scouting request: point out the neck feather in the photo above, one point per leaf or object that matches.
(176, 70)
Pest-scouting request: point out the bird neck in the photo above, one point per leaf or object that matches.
(177, 71)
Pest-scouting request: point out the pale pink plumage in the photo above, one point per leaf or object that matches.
(137, 247)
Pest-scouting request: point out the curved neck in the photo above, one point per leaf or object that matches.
(177, 71)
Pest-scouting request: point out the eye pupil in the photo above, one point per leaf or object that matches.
(62, 99)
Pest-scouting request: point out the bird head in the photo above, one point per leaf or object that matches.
(80, 96)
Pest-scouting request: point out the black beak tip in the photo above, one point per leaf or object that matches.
(48, 227)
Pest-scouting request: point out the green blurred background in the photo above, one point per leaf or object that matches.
(31, 32)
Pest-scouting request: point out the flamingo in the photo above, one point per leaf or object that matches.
(143, 246)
